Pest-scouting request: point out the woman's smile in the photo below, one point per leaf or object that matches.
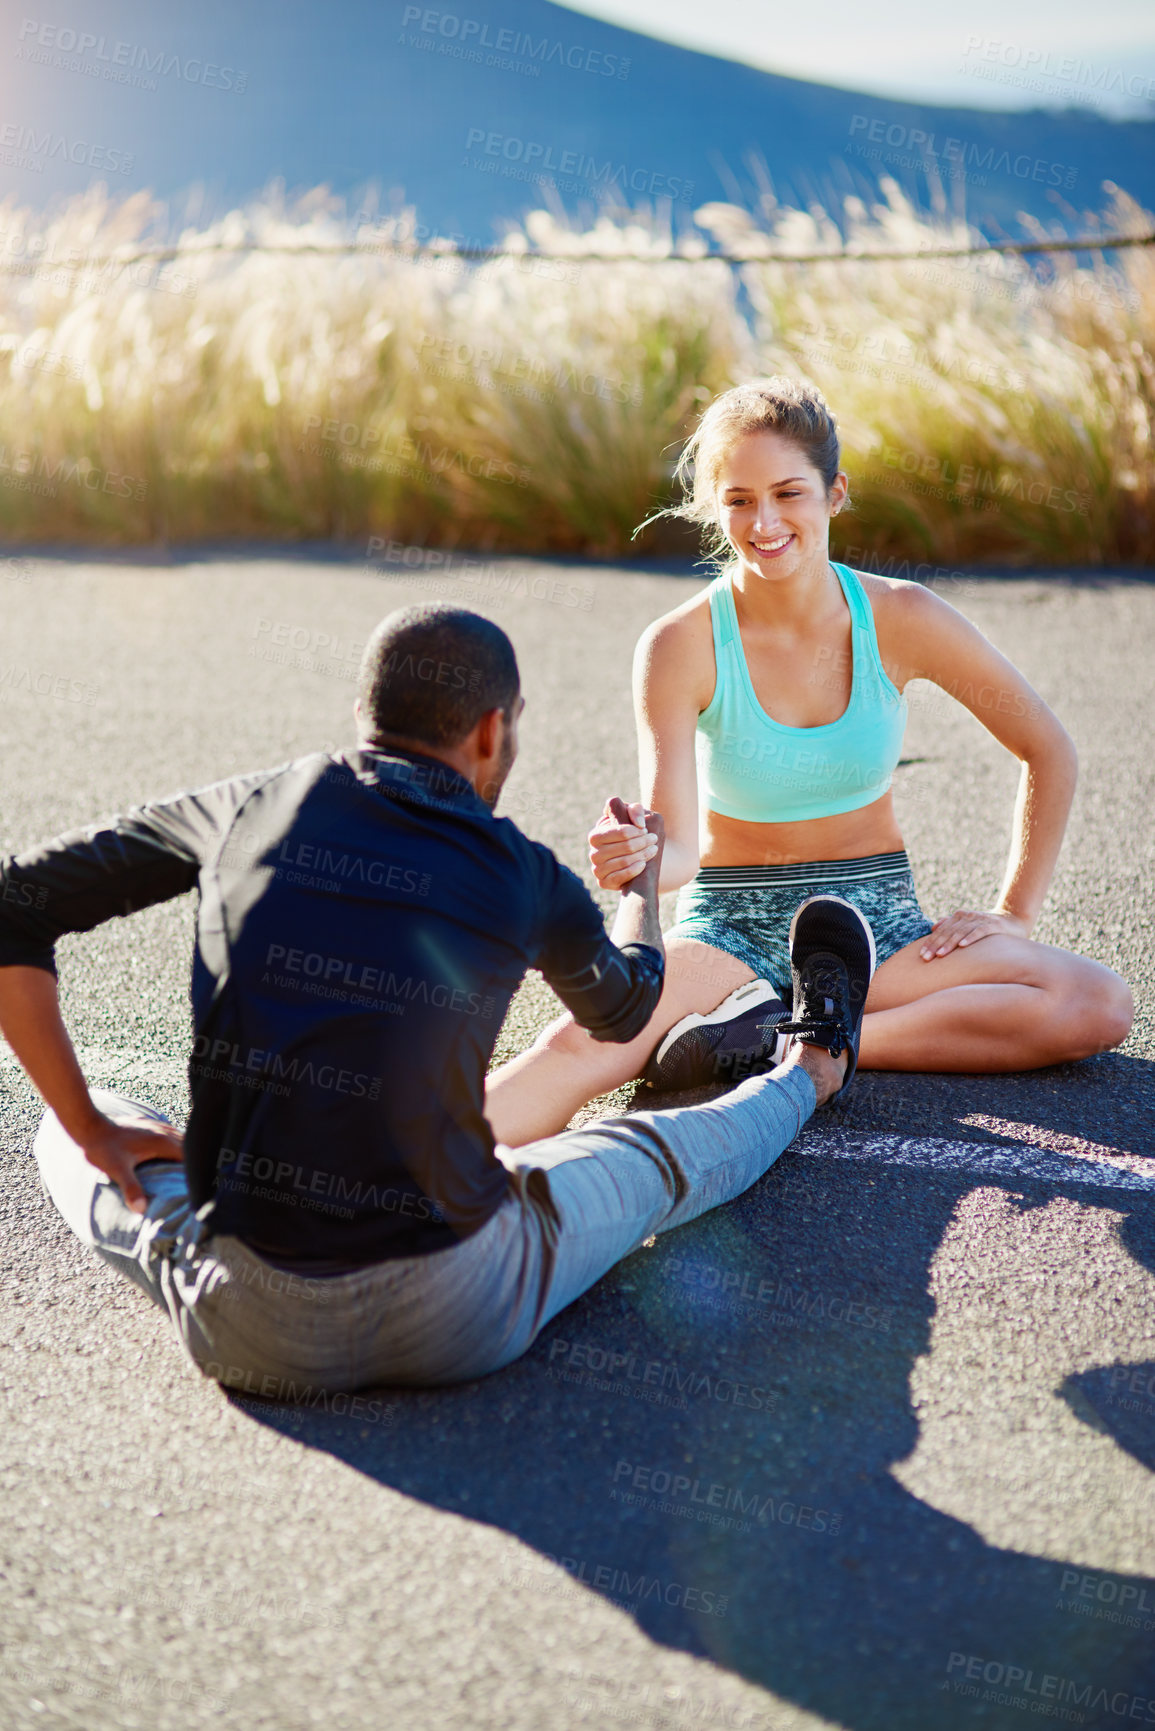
(770, 548)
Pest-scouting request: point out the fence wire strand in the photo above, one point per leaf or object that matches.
(487, 255)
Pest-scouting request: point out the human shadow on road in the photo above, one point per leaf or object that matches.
(1108, 1101)
(763, 1356)
(1118, 1399)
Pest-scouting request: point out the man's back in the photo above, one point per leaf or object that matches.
(370, 943)
(364, 922)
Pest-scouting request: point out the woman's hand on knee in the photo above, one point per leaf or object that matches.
(620, 851)
(966, 926)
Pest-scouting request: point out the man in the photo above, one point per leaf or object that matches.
(364, 920)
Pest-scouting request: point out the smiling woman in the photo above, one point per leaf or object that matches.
(771, 714)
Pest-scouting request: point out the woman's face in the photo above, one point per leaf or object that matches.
(773, 505)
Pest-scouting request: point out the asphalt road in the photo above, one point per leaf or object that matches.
(909, 1484)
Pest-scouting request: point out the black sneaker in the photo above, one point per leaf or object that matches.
(832, 959)
(738, 1039)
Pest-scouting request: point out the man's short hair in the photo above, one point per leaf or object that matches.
(431, 672)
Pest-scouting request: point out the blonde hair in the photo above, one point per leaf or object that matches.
(794, 410)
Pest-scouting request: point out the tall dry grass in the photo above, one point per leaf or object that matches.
(987, 413)
(538, 405)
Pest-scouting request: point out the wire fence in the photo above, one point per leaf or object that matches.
(486, 255)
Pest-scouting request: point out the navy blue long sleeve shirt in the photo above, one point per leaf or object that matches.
(364, 920)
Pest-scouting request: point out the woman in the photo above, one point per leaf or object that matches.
(770, 719)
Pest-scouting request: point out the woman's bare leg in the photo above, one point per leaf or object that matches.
(1000, 1004)
(537, 1093)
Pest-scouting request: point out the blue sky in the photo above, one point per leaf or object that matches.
(990, 53)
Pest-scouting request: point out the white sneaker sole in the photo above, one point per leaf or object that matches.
(746, 997)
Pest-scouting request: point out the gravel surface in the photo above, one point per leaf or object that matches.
(908, 1484)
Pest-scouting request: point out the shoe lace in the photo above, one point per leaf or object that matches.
(830, 1030)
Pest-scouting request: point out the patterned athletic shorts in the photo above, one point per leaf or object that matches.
(746, 910)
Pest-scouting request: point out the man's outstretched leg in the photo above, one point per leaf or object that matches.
(586, 1199)
(578, 1204)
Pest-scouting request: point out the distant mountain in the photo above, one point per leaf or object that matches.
(458, 111)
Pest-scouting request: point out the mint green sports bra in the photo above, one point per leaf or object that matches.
(754, 768)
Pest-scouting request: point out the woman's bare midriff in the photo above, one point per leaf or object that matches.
(731, 841)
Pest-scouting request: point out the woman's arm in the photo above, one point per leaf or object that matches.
(669, 673)
(668, 698)
(927, 639)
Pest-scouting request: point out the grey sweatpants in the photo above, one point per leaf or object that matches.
(576, 1205)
